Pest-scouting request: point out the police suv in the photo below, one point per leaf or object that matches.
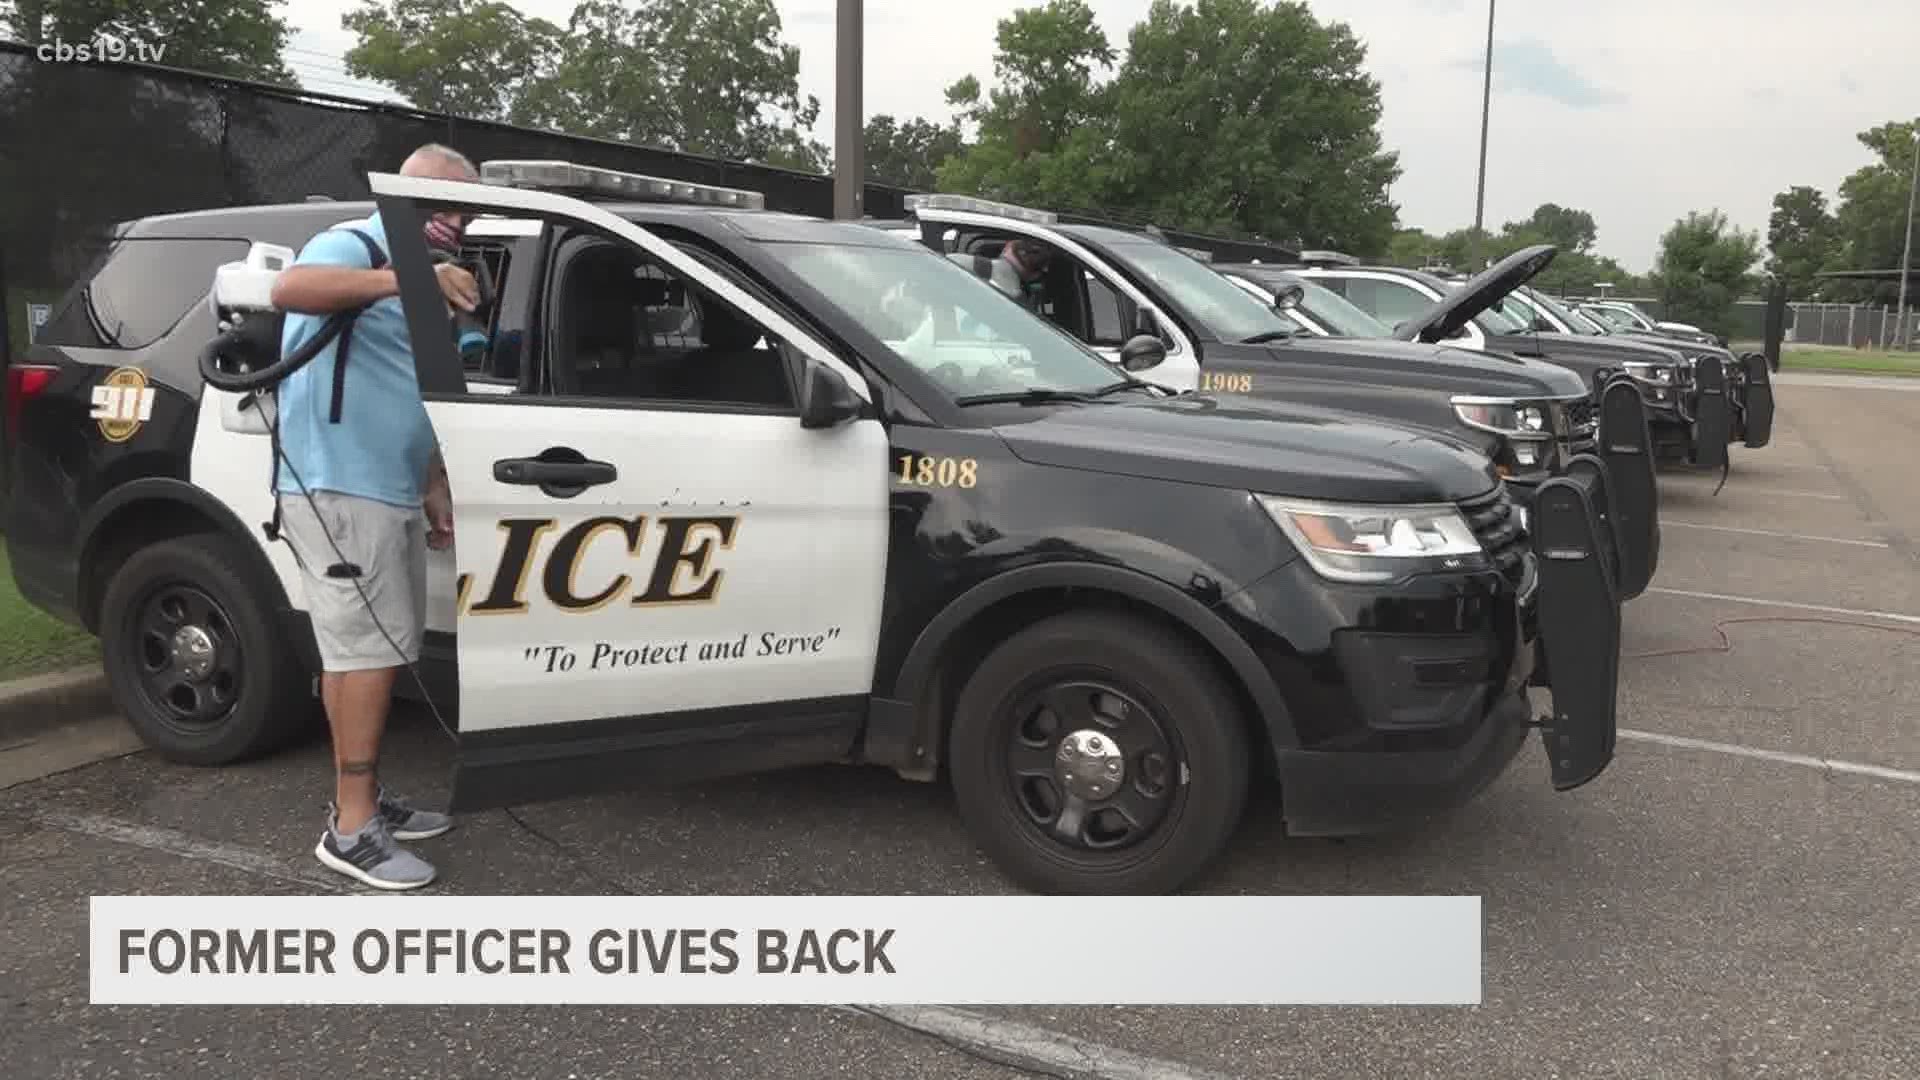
(717, 511)
(1692, 395)
(1169, 316)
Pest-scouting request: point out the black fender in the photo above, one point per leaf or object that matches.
(906, 734)
(167, 489)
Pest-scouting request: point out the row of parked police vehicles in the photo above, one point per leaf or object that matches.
(1195, 528)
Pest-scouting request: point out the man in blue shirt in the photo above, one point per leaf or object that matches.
(362, 495)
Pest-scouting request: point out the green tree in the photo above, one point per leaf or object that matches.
(241, 38)
(1871, 218)
(1572, 231)
(1255, 118)
(1041, 134)
(472, 58)
(1801, 238)
(909, 154)
(1704, 265)
(700, 76)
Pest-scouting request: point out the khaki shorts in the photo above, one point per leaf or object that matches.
(389, 545)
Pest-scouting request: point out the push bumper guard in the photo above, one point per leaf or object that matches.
(1712, 414)
(1629, 498)
(1756, 419)
(1577, 612)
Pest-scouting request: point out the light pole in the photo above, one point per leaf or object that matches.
(1906, 254)
(849, 121)
(1486, 110)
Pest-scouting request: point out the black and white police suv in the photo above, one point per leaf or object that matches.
(1170, 315)
(717, 512)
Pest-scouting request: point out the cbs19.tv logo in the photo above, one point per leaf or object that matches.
(103, 49)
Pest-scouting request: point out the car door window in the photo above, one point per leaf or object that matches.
(625, 328)
(1110, 316)
(1389, 301)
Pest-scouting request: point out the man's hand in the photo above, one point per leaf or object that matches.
(438, 504)
(457, 286)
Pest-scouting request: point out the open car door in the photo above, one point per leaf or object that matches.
(670, 550)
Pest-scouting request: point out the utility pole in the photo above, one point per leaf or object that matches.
(849, 120)
(1906, 255)
(1486, 111)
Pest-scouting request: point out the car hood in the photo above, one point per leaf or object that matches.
(1682, 346)
(1480, 292)
(1271, 447)
(1588, 353)
(1459, 370)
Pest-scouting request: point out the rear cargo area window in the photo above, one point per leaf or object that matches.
(139, 293)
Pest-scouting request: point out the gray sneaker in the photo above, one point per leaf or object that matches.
(371, 855)
(409, 822)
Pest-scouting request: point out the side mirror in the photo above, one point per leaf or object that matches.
(1141, 352)
(825, 398)
(1541, 324)
(1289, 297)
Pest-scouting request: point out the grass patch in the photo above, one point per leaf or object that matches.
(31, 641)
(1817, 359)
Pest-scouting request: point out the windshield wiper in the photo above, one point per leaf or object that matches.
(1032, 396)
(1269, 335)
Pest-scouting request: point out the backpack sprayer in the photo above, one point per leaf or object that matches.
(246, 357)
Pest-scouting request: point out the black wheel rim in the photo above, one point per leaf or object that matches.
(184, 655)
(1090, 765)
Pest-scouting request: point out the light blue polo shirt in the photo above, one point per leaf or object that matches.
(382, 445)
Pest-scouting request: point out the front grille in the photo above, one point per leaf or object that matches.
(1491, 516)
(1576, 427)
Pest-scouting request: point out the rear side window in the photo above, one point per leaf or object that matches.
(140, 292)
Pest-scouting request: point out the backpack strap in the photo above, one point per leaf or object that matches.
(378, 259)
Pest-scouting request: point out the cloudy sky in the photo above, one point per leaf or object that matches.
(1635, 110)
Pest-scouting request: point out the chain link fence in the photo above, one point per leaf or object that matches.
(1855, 326)
(87, 146)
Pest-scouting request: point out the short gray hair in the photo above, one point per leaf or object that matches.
(446, 153)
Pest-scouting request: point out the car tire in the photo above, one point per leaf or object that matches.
(1148, 694)
(194, 656)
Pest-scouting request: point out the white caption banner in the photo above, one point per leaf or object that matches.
(769, 950)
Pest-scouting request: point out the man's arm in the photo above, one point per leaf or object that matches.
(323, 290)
(332, 273)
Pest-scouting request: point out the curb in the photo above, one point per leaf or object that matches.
(31, 705)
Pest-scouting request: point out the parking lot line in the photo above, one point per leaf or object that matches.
(1769, 532)
(183, 845)
(1032, 1049)
(1760, 602)
(1787, 493)
(1880, 772)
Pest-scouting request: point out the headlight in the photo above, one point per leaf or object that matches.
(1511, 418)
(1377, 543)
(1648, 371)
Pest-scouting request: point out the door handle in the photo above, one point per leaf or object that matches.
(561, 472)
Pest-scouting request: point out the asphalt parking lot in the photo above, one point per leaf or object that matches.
(1739, 895)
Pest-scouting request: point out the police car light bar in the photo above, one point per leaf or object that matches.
(568, 176)
(1328, 258)
(969, 204)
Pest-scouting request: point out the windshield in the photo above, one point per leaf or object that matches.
(1574, 320)
(1340, 316)
(962, 332)
(1225, 309)
(1609, 317)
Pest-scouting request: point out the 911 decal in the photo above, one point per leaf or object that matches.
(925, 471)
(121, 403)
(1226, 382)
